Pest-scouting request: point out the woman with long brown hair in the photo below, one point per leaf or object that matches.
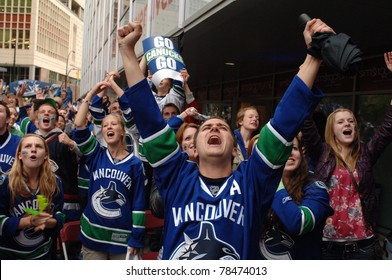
(345, 164)
(298, 213)
(31, 200)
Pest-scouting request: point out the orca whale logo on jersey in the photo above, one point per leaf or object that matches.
(107, 202)
(29, 237)
(205, 247)
(276, 245)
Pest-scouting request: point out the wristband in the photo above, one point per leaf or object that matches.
(86, 101)
(316, 53)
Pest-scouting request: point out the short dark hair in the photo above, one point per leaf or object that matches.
(171, 105)
(222, 119)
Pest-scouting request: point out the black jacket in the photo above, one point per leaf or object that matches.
(64, 163)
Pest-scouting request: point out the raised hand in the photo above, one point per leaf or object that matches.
(313, 26)
(129, 34)
(39, 93)
(127, 37)
(388, 60)
(111, 75)
(21, 90)
(185, 75)
(97, 88)
(64, 138)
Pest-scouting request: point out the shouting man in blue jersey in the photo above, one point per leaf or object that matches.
(212, 212)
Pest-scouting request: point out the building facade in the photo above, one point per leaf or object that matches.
(158, 17)
(41, 40)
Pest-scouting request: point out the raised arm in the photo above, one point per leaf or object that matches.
(19, 94)
(110, 78)
(143, 66)
(80, 118)
(148, 118)
(287, 120)
(308, 70)
(128, 35)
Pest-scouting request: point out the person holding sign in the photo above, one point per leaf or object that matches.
(212, 212)
(31, 203)
(162, 59)
(166, 68)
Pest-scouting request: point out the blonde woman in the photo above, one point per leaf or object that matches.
(22, 235)
(113, 220)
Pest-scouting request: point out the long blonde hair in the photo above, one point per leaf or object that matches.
(333, 146)
(18, 176)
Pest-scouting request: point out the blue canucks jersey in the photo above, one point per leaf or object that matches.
(299, 235)
(7, 153)
(26, 243)
(115, 213)
(225, 223)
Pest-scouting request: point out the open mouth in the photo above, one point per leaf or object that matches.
(46, 120)
(214, 140)
(33, 157)
(110, 134)
(347, 132)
